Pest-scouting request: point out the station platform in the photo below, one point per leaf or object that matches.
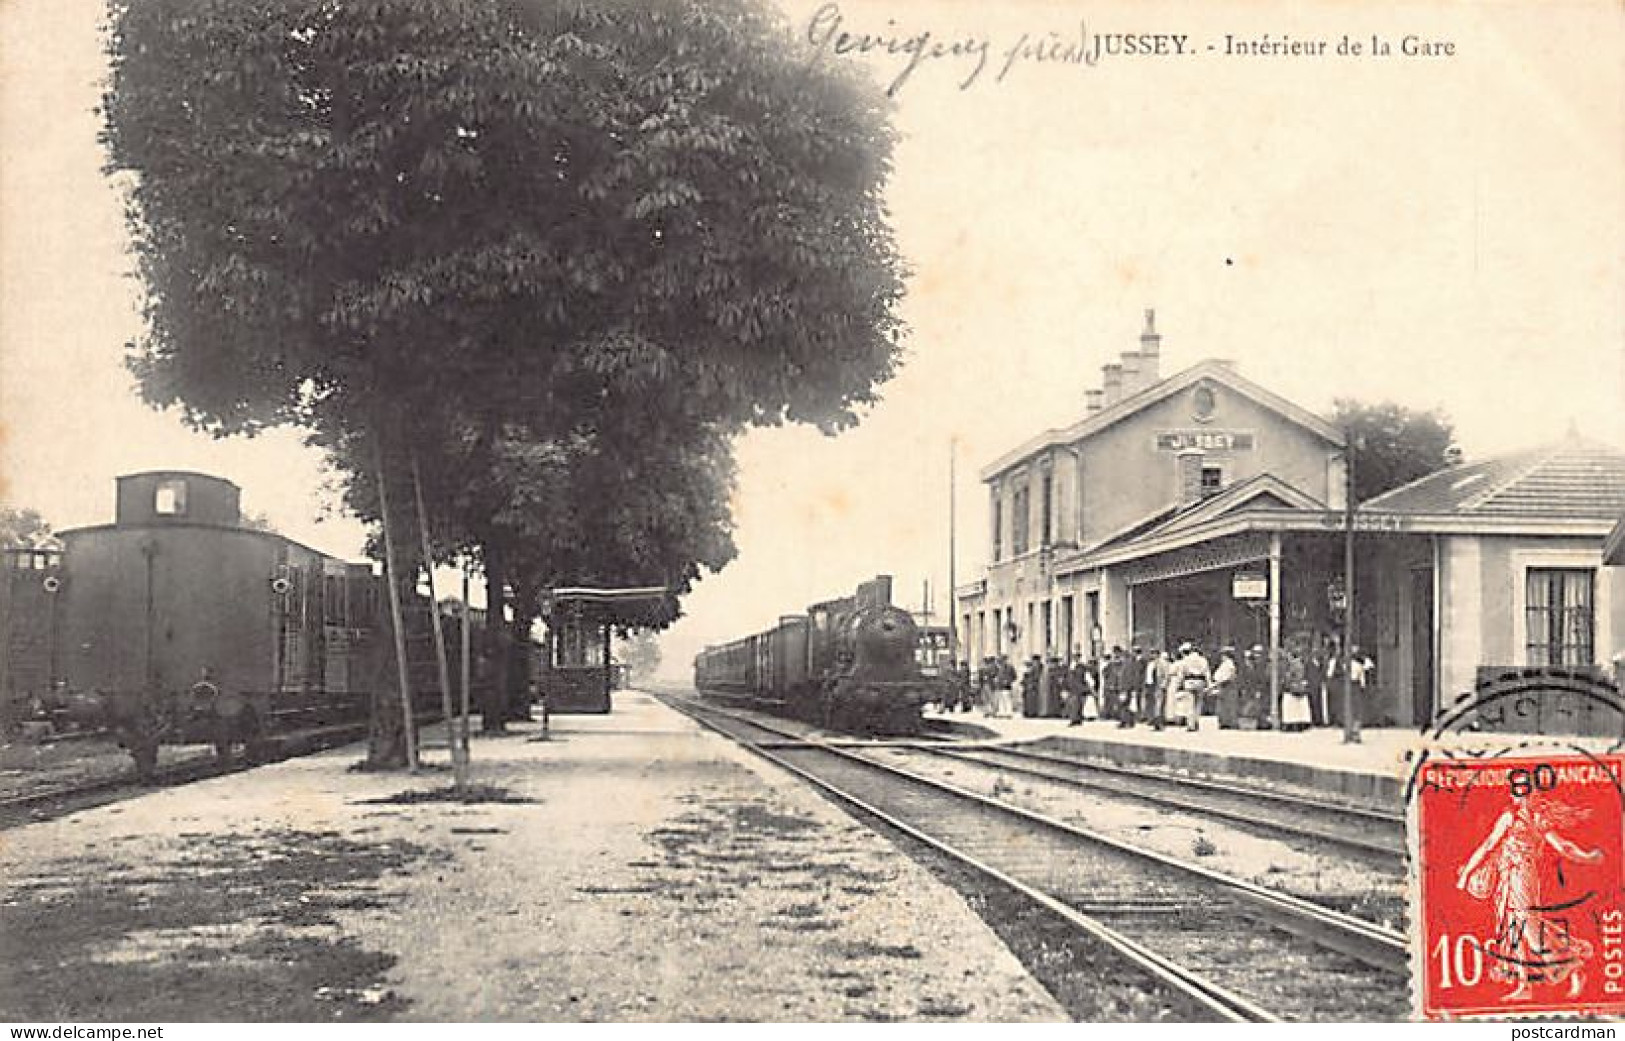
(630, 867)
(1373, 772)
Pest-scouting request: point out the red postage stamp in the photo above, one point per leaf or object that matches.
(1519, 876)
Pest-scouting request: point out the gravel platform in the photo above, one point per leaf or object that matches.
(632, 867)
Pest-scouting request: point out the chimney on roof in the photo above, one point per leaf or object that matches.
(1151, 349)
(1111, 381)
(1091, 400)
(1133, 372)
(1188, 477)
(1133, 375)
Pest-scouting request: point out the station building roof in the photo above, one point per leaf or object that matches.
(1575, 487)
(1574, 479)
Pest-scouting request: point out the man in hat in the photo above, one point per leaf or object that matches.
(1226, 693)
(1083, 701)
(1111, 685)
(1004, 700)
(1133, 702)
(1254, 680)
(1192, 676)
(1154, 700)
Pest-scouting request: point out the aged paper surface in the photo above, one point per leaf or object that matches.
(1417, 202)
(1432, 228)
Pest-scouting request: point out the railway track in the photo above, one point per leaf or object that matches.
(44, 803)
(1226, 948)
(1372, 835)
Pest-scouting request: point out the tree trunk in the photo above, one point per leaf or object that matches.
(386, 736)
(394, 741)
(459, 763)
(518, 672)
(493, 703)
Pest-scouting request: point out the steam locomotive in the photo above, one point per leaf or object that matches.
(847, 664)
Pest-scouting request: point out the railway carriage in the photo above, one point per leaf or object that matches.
(847, 663)
(178, 625)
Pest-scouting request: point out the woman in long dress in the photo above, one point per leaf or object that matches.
(1519, 861)
(1083, 678)
(1295, 711)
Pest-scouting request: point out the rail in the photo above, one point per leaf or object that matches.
(1164, 913)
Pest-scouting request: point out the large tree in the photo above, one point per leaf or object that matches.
(343, 208)
(583, 508)
(23, 526)
(399, 221)
(1394, 445)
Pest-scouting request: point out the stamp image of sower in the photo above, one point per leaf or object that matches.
(1518, 867)
(1517, 848)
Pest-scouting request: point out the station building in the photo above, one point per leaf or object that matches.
(1203, 507)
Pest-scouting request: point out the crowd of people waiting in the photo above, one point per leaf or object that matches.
(1158, 688)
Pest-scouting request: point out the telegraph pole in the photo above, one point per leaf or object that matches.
(953, 608)
(1351, 719)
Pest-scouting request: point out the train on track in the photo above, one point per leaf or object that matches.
(846, 664)
(178, 624)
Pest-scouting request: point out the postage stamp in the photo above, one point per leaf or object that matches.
(1519, 884)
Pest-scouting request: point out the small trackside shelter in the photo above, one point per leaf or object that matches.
(578, 673)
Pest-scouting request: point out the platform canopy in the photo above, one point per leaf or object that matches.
(593, 594)
(612, 605)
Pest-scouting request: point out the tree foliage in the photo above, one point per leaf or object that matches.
(259, 520)
(608, 508)
(1394, 445)
(552, 254)
(340, 206)
(526, 232)
(23, 526)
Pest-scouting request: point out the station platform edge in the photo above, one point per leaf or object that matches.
(1373, 772)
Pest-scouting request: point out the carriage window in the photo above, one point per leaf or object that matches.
(171, 500)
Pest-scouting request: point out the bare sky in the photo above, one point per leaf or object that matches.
(1435, 231)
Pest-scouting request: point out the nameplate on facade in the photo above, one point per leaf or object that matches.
(1206, 440)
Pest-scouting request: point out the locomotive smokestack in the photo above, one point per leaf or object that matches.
(875, 593)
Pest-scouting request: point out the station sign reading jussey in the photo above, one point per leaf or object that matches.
(1207, 440)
